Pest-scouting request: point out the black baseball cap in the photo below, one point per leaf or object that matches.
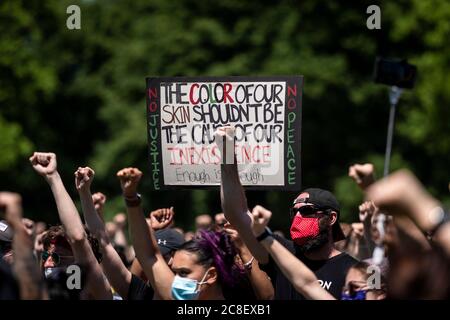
(168, 240)
(325, 199)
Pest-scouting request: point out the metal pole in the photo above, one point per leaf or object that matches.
(394, 96)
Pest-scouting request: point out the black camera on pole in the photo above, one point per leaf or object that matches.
(397, 73)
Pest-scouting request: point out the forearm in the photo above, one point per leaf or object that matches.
(118, 275)
(303, 279)
(68, 213)
(116, 272)
(147, 252)
(25, 267)
(261, 284)
(443, 237)
(234, 204)
(368, 237)
(93, 221)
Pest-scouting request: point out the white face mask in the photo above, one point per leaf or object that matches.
(51, 271)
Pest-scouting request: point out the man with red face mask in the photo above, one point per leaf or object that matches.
(314, 230)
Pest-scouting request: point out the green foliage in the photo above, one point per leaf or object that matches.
(13, 142)
(80, 93)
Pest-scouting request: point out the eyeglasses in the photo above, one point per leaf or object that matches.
(55, 257)
(307, 210)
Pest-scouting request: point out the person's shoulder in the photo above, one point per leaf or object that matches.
(345, 259)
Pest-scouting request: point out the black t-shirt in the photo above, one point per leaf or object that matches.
(330, 273)
(139, 289)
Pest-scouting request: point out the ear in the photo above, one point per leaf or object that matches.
(212, 276)
(333, 218)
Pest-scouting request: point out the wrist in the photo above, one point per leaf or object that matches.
(52, 177)
(85, 192)
(130, 194)
(267, 233)
(132, 200)
(440, 218)
(425, 214)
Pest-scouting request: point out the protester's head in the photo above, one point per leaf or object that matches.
(315, 219)
(203, 222)
(58, 253)
(56, 284)
(219, 221)
(204, 265)
(358, 285)
(6, 237)
(179, 230)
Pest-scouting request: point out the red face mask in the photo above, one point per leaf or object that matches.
(304, 229)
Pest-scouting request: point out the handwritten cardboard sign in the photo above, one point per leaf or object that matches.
(184, 112)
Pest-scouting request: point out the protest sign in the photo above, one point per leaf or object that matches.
(184, 112)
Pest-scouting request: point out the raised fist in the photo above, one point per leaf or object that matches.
(366, 211)
(44, 163)
(99, 200)
(224, 138)
(362, 174)
(83, 178)
(261, 217)
(120, 220)
(161, 218)
(234, 235)
(11, 203)
(129, 181)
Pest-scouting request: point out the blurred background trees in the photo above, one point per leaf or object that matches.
(81, 93)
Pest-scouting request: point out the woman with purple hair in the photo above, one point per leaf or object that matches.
(201, 269)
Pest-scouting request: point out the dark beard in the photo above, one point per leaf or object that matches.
(317, 242)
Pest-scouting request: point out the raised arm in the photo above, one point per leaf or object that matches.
(142, 237)
(301, 277)
(45, 165)
(116, 272)
(260, 281)
(25, 267)
(402, 195)
(232, 194)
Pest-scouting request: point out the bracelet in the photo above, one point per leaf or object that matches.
(442, 218)
(267, 232)
(248, 265)
(133, 201)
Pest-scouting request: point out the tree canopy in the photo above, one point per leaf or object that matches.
(81, 93)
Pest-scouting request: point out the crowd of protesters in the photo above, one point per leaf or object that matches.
(400, 248)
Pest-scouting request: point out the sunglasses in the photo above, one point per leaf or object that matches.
(307, 210)
(55, 257)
